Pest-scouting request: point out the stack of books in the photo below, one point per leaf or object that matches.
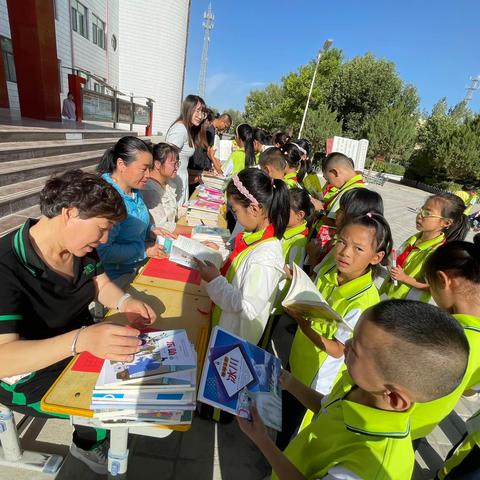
(210, 194)
(218, 182)
(203, 212)
(156, 388)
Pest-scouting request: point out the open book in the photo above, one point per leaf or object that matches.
(186, 252)
(304, 298)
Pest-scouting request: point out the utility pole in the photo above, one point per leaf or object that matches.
(208, 19)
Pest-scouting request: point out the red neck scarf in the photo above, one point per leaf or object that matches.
(241, 245)
(341, 190)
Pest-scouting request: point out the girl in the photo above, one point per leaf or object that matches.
(160, 191)
(244, 156)
(126, 166)
(280, 139)
(441, 219)
(293, 155)
(245, 288)
(305, 163)
(316, 357)
(453, 275)
(295, 237)
(186, 134)
(260, 139)
(353, 203)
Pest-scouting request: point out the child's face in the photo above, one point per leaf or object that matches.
(335, 176)
(296, 218)
(355, 250)
(360, 355)
(429, 217)
(248, 217)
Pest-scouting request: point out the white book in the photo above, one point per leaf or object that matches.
(150, 397)
(186, 252)
(304, 298)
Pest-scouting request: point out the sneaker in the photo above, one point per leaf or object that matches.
(96, 459)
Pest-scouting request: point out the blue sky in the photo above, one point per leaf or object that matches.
(434, 44)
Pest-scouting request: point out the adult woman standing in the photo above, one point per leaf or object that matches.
(186, 134)
(126, 166)
(50, 273)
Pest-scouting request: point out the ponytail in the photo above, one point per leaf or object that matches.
(126, 149)
(453, 208)
(279, 212)
(271, 195)
(245, 133)
(293, 155)
(460, 258)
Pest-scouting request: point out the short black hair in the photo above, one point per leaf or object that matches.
(337, 159)
(428, 352)
(161, 151)
(359, 201)
(273, 156)
(89, 193)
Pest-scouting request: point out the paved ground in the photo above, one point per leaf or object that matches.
(209, 451)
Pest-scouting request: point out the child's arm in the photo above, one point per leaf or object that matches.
(398, 274)
(256, 431)
(307, 396)
(333, 347)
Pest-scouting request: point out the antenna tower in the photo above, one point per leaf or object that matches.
(208, 19)
(473, 86)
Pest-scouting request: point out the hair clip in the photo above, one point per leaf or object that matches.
(369, 214)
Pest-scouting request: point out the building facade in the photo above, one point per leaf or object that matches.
(134, 46)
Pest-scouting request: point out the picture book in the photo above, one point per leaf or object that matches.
(162, 353)
(237, 373)
(186, 251)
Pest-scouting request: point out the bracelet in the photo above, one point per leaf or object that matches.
(122, 300)
(75, 338)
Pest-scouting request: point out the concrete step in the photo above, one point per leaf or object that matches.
(21, 170)
(12, 222)
(29, 135)
(10, 151)
(22, 195)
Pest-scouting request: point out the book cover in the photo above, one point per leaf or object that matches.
(186, 251)
(237, 373)
(161, 353)
(151, 397)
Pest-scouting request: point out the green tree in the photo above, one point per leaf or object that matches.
(365, 86)
(320, 124)
(392, 133)
(296, 86)
(263, 108)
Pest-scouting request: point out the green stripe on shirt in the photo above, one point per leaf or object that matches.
(10, 317)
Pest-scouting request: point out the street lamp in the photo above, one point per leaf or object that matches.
(326, 46)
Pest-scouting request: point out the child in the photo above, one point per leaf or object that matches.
(260, 142)
(361, 430)
(272, 162)
(440, 220)
(244, 156)
(295, 236)
(246, 287)
(347, 285)
(338, 170)
(293, 155)
(453, 273)
(159, 194)
(353, 203)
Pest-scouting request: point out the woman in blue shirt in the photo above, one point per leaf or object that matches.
(126, 166)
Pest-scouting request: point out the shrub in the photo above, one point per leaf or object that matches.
(385, 167)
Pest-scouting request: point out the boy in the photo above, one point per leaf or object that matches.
(362, 429)
(339, 172)
(272, 162)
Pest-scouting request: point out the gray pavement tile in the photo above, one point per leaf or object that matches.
(199, 442)
(142, 467)
(197, 469)
(168, 447)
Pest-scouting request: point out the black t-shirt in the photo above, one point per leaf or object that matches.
(199, 160)
(38, 303)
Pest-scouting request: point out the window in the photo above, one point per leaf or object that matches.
(98, 32)
(114, 43)
(79, 18)
(8, 61)
(99, 87)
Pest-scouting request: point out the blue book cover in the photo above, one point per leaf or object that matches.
(237, 373)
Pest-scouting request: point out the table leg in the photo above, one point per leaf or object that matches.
(118, 452)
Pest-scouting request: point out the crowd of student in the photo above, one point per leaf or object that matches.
(352, 405)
